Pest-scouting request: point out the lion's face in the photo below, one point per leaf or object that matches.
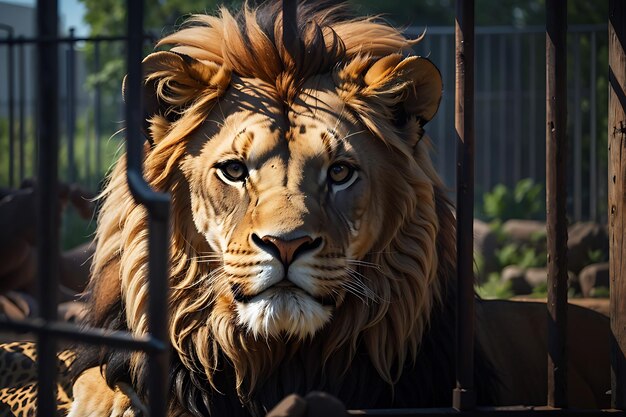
(287, 197)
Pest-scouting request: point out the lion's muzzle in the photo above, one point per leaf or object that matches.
(286, 250)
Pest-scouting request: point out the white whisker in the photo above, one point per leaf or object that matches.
(352, 134)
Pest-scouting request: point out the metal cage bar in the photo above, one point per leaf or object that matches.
(157, 205)
(556, 192)
(617, 195)
(48, 202)
(463, 395)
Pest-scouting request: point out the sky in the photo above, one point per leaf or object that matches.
(71, 12)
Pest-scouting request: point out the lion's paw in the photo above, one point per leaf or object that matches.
(94, 398)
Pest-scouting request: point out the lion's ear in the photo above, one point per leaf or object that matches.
(172, 82)
(414, 83)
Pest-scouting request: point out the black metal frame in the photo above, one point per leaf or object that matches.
(155, 344)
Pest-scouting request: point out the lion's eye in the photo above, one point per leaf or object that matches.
(340, 173)
(234, 170)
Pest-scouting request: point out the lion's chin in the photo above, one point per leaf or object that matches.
(277, 312)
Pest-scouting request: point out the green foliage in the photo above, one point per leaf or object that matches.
(596, 256)
(28, 157)
(523, 256)
(540, 290)
(494, 288)
(525, 201)
(601, 292)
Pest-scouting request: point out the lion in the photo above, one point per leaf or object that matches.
(312, 242)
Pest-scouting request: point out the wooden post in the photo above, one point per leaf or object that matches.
(617, 198)
(464, 396)
(556, 216)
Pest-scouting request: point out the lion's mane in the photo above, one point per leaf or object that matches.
(403, 343)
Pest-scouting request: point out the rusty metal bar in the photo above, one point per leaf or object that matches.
(617, 198)
(48, 200)
(556, 192)
(464, 396)
(157, 205)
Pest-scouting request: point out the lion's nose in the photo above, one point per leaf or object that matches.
(286, 250)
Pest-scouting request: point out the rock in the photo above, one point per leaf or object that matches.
(536, 276)
(531, 233)
(523, 281)
(539, 276)
(583, 238)
(485, 245)
(592, 276)
(516, 276)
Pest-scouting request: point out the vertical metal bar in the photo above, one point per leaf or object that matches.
(593, 123)
(502, 138)
(11, 102)
(486, 109)
(617, 201)
(517, 108)
(48, 201)
(463, 396)
(578, 134)
(157, 205)
(556, 163)
(532, 105)
(70, 106)
(97, 110)
(22, 108)
(442, 161)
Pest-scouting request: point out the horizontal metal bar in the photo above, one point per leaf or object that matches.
(117, 339)
(23, 40)
(501, 30)
(431, 30)
(517, 411)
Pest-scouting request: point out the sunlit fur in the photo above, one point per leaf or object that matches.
(393, 253)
